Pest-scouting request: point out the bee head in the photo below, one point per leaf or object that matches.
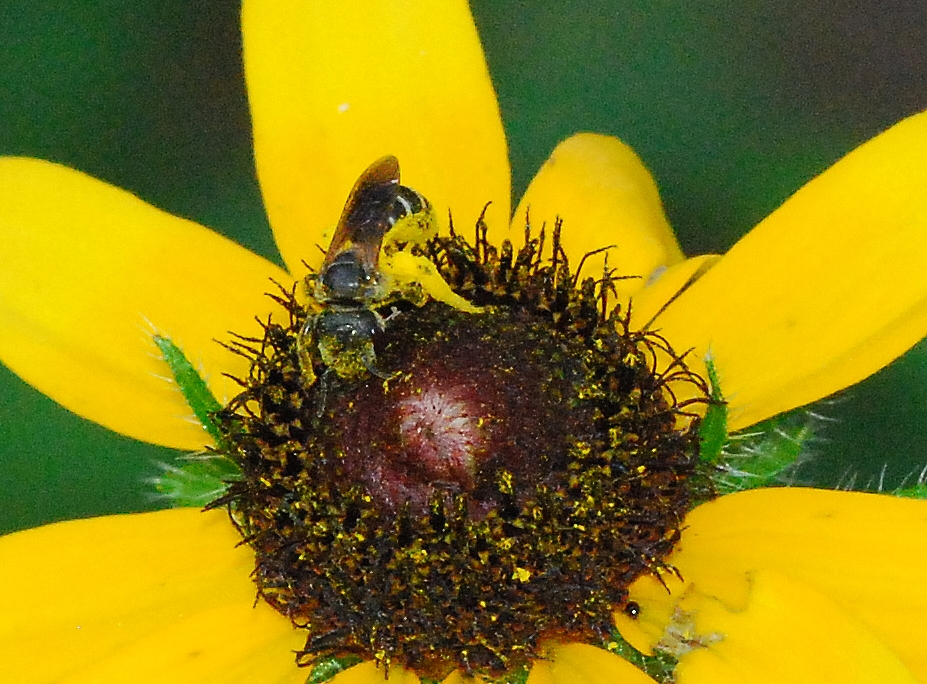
(346, 277)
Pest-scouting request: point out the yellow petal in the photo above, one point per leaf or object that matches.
(657, 599)
(334, 86)
(866, 552)
(663, 287)
(825, 291)
(455, 677)
(153, 597)
(88, 273)
(369, 673)
(787, 633)
(584, 664)
(605, 196)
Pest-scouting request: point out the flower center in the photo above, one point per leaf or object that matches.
(472, 395)
(470, 484)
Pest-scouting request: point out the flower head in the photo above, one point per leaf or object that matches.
(770, 314)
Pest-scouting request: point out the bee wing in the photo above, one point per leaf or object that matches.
(364, 221)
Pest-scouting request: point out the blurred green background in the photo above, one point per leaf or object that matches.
(733, 104)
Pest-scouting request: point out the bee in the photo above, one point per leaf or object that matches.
(349, 284)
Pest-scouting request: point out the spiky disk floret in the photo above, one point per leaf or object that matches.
(518, 469)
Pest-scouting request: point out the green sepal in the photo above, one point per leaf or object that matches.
(766, 455)
(918, 491)
(193, 387)
(517, 675)
(325, 668)
(660, 666)
(197, 481)
(762, 457)
(713, 430)
(201, 478)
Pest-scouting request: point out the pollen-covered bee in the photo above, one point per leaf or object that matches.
(350, 283)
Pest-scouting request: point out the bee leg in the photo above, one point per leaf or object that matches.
(322, 392)
(383, 320)
(304, 346)
(372, 368)
(368, 359)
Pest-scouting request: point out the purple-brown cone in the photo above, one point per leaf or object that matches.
(502, 483)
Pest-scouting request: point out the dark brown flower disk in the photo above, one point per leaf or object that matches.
(503, 483)
(472, 396)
